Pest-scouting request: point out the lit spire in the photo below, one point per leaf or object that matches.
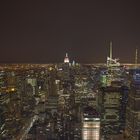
(66, 59)
(67, 55)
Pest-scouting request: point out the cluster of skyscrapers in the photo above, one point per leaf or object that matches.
(70, 101)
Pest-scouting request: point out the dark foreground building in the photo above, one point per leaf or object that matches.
(112, 105)
(132, 131)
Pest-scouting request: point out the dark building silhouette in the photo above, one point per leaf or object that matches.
(132, 130)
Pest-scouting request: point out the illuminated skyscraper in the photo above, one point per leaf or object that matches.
(66, 59)
(66, 68)
(90, 124)
(110, 60)
(11, 81)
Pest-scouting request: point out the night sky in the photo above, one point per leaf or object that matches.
(43, 31)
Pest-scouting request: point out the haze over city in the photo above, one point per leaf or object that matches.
(42, 32)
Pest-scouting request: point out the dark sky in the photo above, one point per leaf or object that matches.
(43, 31)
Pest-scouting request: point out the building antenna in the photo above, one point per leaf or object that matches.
(110, 50)
(136, 57)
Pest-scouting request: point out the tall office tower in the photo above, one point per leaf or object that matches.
(52, 100)
(123, 101)
(11, 81)
(90, 124)
(110, 61)
(51, 82)
(112, 105)
(66, 71)
(132, 131)
(33, 83)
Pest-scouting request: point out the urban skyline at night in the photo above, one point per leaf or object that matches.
(70, 70)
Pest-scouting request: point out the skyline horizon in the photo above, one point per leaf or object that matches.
(71, 60)
(44, 31)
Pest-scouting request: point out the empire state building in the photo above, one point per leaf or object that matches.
(66, 59)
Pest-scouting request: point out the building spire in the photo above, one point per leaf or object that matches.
(110, 50)
(66, 59)
(67, 55)
(136, 57)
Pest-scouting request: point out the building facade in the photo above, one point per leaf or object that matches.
(132, 131)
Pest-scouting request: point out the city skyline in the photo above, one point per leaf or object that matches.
(43, 32)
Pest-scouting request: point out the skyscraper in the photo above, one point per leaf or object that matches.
(66, 59)
(132, 130)
(90, 124)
